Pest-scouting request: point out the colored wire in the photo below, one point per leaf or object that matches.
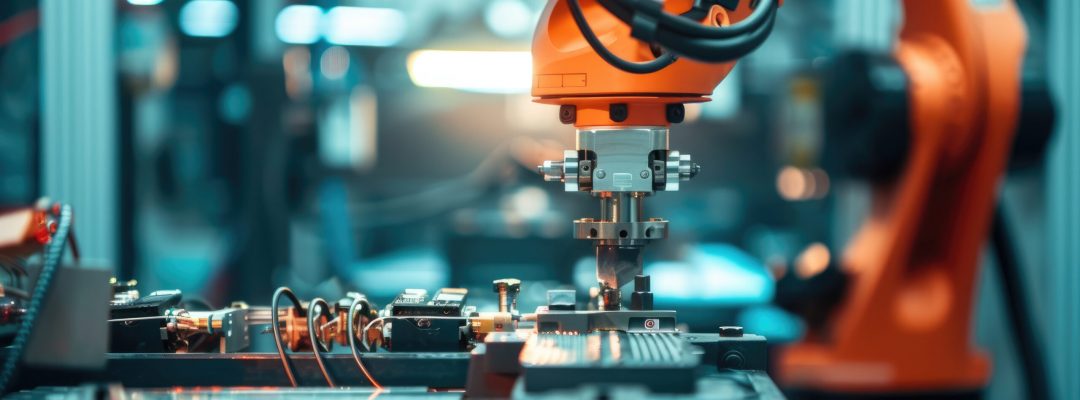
(317, 347)
(54, 255)
(275, 325)
(141, 318)
(352, 342)
(646, 67)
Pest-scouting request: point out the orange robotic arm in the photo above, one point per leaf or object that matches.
(621, 71)
(904, 322)
(568, 71)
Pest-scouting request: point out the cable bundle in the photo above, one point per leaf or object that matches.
(322, 308)
(679, 36)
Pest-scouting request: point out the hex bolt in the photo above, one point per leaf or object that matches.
(601, 174)
(508, 290)
(675, 113)
(618, 112)
(568, 113)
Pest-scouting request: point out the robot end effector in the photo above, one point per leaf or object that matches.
(620, 167)
(622, 95)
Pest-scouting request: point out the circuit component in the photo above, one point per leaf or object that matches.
(427, 324)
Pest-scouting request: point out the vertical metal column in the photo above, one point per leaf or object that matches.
(79, 137)
(1063, 196)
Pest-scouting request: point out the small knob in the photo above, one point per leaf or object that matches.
(687, 168)
(641, 283)
(508, 284)
(551, 170)
(731, 331)
(642, 298)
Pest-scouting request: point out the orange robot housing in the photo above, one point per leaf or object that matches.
(904, 324)
(567, 72)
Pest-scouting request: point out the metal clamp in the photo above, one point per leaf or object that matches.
(620, 233)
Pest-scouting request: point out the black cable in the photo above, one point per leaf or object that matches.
(716, 50)
(317, 347)
(646, 67)
(54, 255)
(1016, 300)
(352, 340)
(625, 10)
(274, 304)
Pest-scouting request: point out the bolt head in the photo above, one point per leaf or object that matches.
(509, 284)
(601, 174)
(568, 114)
(676, 113)
(618, 112)
(644, 174)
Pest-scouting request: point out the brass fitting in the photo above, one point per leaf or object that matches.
(508, 290)
(487, 322)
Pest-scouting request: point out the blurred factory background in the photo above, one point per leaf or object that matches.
(226, 147)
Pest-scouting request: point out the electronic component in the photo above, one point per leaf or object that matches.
(158, 323)
(144, 331)
(428, 324)
(415, 302)
(488, 322)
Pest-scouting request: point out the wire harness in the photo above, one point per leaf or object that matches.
(677, 35)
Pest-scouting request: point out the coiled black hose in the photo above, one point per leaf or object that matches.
(317, 308)
(276, 326)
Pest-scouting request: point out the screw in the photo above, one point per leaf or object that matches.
(644, 174)
(600, 174)
(618, 112)
(568, 113)
(676, 113)
(508, 290)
